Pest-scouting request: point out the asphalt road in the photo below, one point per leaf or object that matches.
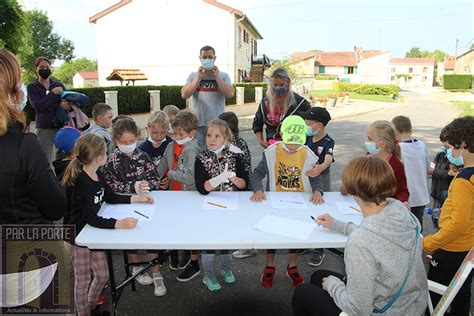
(246, 296)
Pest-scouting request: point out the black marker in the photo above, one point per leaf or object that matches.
(312, 217)
(141, 214)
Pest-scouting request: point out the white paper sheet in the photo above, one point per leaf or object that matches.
(221, 200)
(287, 200)
(120, 211)
(285, 227)
(345, 208)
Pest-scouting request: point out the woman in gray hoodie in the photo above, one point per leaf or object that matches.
(383, 255)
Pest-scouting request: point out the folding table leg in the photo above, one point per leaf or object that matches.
(113, 289)
(127, 269)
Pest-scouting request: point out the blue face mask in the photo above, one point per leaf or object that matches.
(207, 64)
(444, 149)
(457, 161)
(218, 150)
(371, 148)
(280, 91)
(310, 132)
(22, 105)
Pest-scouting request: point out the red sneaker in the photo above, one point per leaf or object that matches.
(267, 276)
(102, 300)
(294, 275)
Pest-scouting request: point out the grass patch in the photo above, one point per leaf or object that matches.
(466, 107)
(354, 95)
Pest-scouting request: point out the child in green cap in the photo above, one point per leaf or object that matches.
(285, 164)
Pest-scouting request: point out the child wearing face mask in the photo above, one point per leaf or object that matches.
(293, 159)
(130, 170)
(382, 142)
(177, 170)
(157, 140)
(88, 193)
(171, 111)
(441, 174)
(218, 169)
(417, 165)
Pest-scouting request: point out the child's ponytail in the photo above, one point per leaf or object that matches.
(71, 173)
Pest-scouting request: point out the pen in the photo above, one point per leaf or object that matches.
(312, 217)
(355, 209)
(141, 214)
(218, 205)
(291, 202)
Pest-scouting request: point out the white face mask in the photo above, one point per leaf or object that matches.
(184, 140)
(287, 150)
(127, 149)
(156, 142)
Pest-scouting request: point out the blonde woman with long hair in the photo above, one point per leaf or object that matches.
(279, 103)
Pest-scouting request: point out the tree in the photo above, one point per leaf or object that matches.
(414, 52)
(39, 40)
(284, 63)
(11, 25)
(69, 68)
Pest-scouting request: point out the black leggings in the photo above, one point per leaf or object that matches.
(447, 265)
(311, 299)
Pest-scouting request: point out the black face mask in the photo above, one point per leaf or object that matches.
(44, 73)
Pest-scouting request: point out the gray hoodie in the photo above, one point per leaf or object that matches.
(184, 172)
(377, 258)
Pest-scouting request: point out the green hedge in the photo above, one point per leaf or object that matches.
(136, 99)
(375, 89)
(457, 82)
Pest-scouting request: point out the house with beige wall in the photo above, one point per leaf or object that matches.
(464, 63)
(85, 79)
(162, 39)
(412, 72)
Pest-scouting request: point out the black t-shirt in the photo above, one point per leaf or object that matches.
(87, 198)
(155, 153)
(321, 148)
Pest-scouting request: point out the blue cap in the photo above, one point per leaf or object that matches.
(66, 138)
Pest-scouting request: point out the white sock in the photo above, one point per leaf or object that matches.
(156, 275)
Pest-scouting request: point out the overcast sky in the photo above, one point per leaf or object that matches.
(301, 25)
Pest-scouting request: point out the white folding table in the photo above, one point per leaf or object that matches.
(180, 222)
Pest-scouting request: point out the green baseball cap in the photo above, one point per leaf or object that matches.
(293, 130)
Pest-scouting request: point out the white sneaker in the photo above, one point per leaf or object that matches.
(160, 288)
(244, 253)
(144, 278)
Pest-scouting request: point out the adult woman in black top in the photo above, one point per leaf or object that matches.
(279, 103)
(45, 97)
(29, 191)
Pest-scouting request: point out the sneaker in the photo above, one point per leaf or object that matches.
(191, 271)
(212, 284)
(317, 258)
(185, 259)
(174, 262)
(244, 253)
(144, 278)
(160, 288)
(294, 275)
(228, 276)
(267, 276)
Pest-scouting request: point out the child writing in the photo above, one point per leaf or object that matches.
(382, 142)
(285, 165)
(450, 245)
(322, 145)
(218, 169)
(88, 194)
(129, 170)
(177, 170)
(416, 163)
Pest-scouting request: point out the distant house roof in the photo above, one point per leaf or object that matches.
(127, 75)
(449, 63)
(366, 54)
(469, 51)
(412, 60)
(335, 59)
(89, 74)
(215, 3)
(296, 56)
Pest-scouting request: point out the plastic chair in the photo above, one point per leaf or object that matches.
(449, 292)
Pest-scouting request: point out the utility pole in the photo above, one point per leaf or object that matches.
(456, 49)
